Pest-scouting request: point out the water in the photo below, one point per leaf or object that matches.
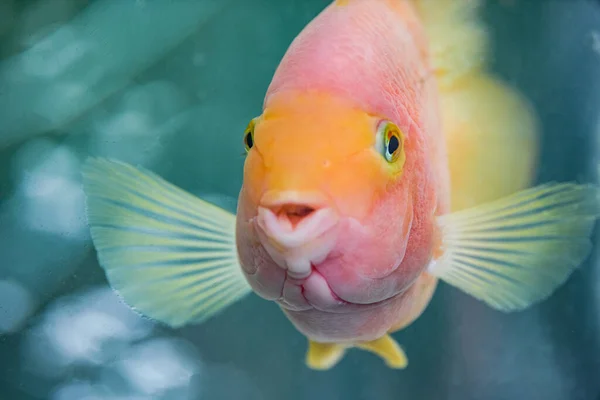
(171, 86)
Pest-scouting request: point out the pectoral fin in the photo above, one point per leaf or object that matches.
(169, 254)
(516, 251)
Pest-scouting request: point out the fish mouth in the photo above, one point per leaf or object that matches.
(314, 292)
(299, 231)
(296, 236)
(296, 226)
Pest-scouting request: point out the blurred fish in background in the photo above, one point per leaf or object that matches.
(170, 86)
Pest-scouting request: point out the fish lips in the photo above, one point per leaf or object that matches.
(296, 248)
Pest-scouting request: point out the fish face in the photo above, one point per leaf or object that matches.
(325, 211)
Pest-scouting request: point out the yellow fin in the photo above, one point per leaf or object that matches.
(388, 349)
(169, 254)
(513, 252)
(492, 133)
(458, 38)
(323, 356)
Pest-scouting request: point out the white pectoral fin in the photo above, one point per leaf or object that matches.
(516, 251)
(169, 254)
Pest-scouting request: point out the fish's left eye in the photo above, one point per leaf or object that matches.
(389, 141)
(249, 135)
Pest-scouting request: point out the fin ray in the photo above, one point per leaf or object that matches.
(517, 250)
(168, 254)
(111, 181)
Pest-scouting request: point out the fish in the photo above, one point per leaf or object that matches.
(386, 158)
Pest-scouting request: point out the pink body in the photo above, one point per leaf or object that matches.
(367, 275)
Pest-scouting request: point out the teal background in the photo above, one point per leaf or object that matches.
(171, 85)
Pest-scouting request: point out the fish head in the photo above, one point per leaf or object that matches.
(325, 209)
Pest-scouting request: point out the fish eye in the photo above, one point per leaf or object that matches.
(249, 135)
(389, 141)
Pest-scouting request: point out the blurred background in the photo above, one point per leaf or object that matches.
(171, 85)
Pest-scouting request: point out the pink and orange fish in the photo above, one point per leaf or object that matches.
(386, 157)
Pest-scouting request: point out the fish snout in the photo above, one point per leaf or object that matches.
(296, 229)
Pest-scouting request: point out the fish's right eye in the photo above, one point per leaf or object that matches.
(248, 141)
(390, 142)
(249, 135)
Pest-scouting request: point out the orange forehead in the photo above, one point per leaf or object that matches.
(324, 126)
(315, 142)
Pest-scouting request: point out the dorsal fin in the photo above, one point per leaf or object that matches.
(458, 40)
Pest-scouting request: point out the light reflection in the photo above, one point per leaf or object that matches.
(16, 305)
(53, 54)
(51, 194)
(83, 329)
(144, 116)
(95, 331)
(68, 71)
(128, 123)
(158, 365)
(43, 231)
(56, 101)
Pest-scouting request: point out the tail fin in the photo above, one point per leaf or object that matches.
(490, 129)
